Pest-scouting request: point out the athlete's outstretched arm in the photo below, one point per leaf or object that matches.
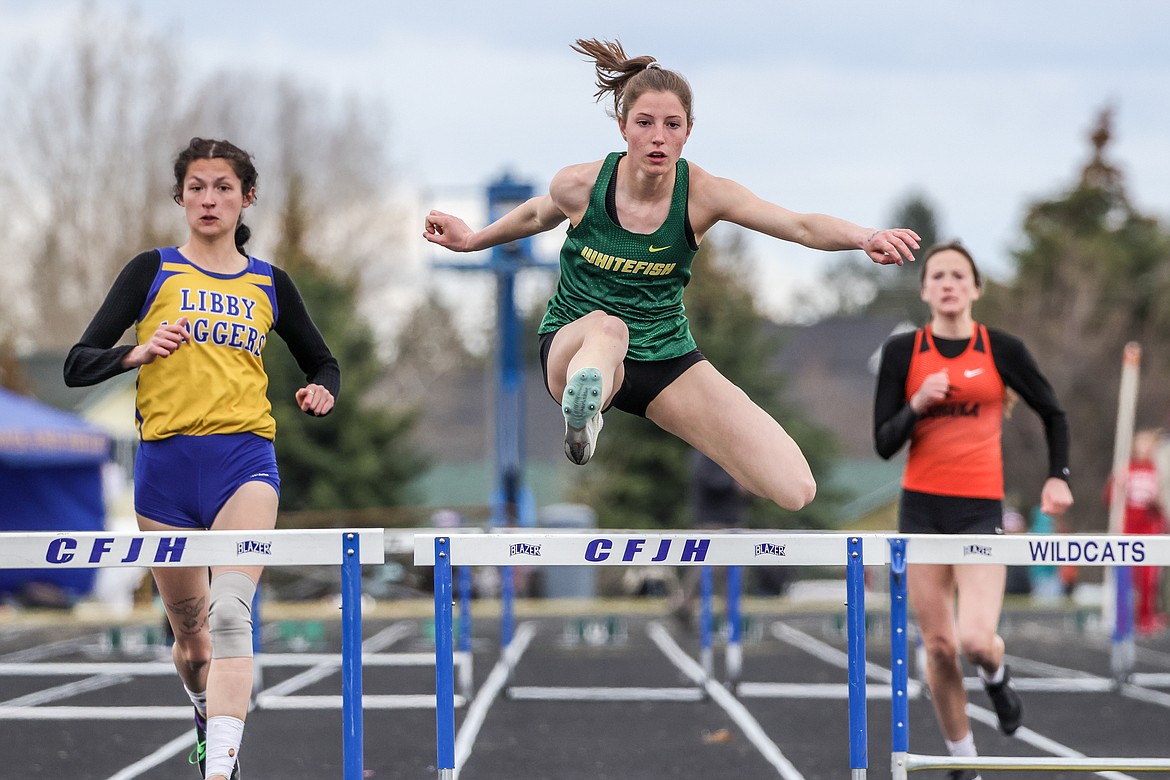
(535, 215)
(567, 198)
(719, 199)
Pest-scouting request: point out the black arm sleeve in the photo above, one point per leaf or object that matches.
(1020, 372)
(305, 342)
(893, 419)
(95, 358)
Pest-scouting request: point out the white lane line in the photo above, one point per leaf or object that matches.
(91, 712)
(164, 753)
(1131, 690)
(69, 668)
(405, 701)
(1038, 741)
(58, 692)
(738, 713)
(834, 656)
(51, 649)
(382, 639)
(332, 663)
(167, 668)
(495, 682)
(566, 693)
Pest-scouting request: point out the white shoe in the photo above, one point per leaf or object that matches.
(581, 404)
(581, 443)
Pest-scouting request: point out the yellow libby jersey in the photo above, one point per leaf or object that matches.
(216, 383)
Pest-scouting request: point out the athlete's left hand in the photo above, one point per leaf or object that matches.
(315, 400)
(1055, 497)
(889, 247)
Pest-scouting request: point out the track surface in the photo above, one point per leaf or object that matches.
(791, 732)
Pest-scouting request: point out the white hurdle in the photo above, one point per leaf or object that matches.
(1013, 550)
(348, 548)
(602, 548)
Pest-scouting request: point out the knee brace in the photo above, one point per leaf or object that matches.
(230, 616)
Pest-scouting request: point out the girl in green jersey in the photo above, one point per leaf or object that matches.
(615, 333)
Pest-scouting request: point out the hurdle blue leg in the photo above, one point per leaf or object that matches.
(855, 619)
(507, 596)
(465, 608)
(444, 662)
(1122, 653)
(899, 660)
(735, 624)
(706, 657)
(465, 678)
(257, 645)
(351, 658)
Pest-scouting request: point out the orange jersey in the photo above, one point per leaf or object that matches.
(955, 448)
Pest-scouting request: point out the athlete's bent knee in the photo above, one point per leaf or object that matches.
(799, 495)
(230, 616)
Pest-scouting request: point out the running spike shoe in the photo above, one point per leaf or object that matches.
(581, 404)
(1009, 708)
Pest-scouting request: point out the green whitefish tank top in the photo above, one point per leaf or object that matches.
(636, 277)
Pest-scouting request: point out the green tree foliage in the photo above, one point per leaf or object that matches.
(640, 477)
(1092, 274)
(358, 456)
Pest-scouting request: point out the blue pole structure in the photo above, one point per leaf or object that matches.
(706, 655)
(507, 260)
(1122, 653)
(257, 645)
(735, 627)
(507, 596)
(511, 502)
(351, 657)
(855, 589)
(465, 676)
(465, 609)
(899, 660)
(444, 662)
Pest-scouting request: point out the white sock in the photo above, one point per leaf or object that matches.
(991, 679)
(964, 747)
(224, 734)
(199, 700)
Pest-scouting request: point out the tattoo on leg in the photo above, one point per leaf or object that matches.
(190, 614)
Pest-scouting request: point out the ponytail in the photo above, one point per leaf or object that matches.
(628, 78)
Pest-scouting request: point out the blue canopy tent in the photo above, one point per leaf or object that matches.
(50, 480)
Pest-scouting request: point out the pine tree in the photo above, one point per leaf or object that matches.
(357, 456)
(1092, 273)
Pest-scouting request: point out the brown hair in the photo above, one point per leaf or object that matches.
(628, 78)
(954, 246)
(241, 162)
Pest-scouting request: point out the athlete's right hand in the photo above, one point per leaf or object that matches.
(448, 231)
(165, 340)
(934, 389)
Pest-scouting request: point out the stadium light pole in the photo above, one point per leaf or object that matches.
(511, 501)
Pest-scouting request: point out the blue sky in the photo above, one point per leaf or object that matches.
(836, 107)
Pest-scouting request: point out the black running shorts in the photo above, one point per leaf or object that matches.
(644, 379)
(926, 513)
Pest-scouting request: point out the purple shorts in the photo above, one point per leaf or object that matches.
(185, 480)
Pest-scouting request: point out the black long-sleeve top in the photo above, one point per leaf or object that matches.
(95, 359)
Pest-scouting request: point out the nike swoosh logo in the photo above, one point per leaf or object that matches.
(659, 248)
(970, 372)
